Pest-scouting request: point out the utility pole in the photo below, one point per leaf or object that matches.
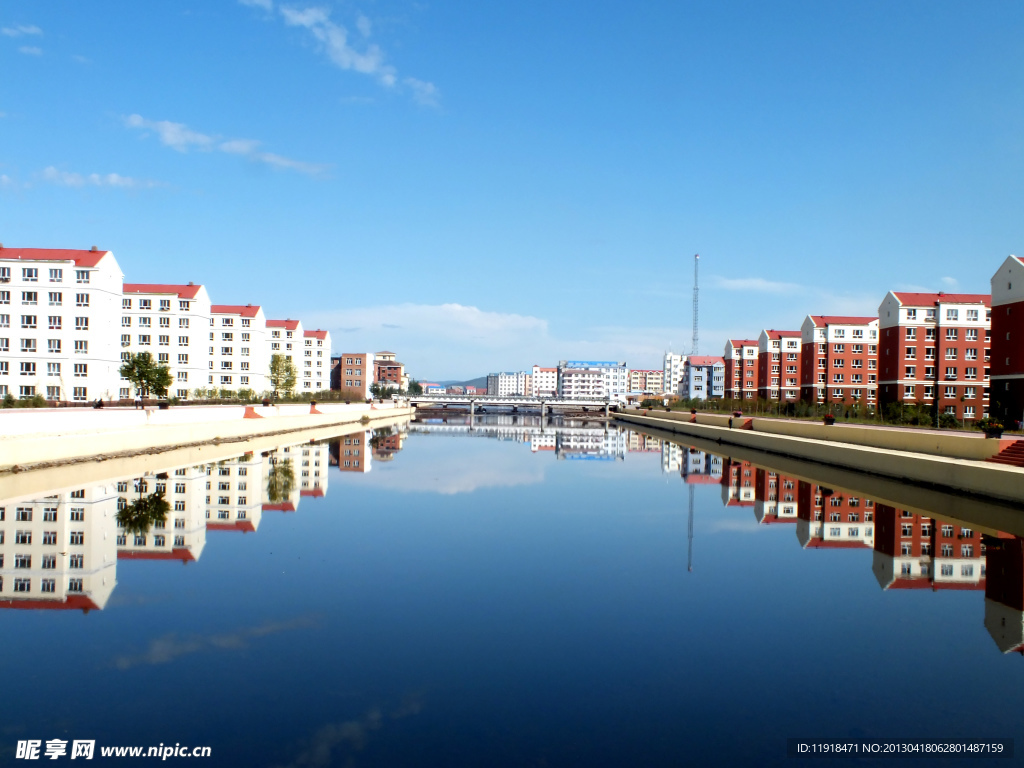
(695, 341)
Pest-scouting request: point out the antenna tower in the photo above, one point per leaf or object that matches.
(695, 342)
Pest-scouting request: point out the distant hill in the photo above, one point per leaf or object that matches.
(478, 382)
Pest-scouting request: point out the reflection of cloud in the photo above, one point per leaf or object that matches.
(758, 284)
(352, 734)
(165, 649)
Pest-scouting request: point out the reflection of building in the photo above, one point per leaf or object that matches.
(671, 457)
(833, 519)
(775, 497)
(1004, 592)
(386, 442)
(352, 452)
(594, 445)
(700, 467)
(234, 494)
(638, 442)
(738, 483)
(59, 551)
(913, 551)
(543, 442)
(185, 491)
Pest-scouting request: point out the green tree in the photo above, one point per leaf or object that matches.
(282, 373)
(137, 516)
(146, 375)
(280, 481)
(415, 388)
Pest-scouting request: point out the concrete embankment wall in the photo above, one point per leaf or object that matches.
(31, 438)
(920, 460)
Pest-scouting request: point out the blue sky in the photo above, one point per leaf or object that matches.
(489, 185)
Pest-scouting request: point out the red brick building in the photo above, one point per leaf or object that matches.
(831, 518)
(1007, 387)
(1004, 592)
(741, 369)
(778, 365)
(355, 371)
(738, 483)
(934, 349)
(839, 359)
(388, 370)
(775, 497)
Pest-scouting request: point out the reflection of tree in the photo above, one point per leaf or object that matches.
(280, 481)
(139, 515)
(379, 435)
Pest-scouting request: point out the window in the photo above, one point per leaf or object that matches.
(183, 341)
(77, 537)
(28, 321)
(74, 585)
(56, 299)
(81, 276)
(81, 323)
(81, 369)
(165, 305)
(145, 303)
(145, 322)
(972, 315)
(81, 299)
(53, 346)
(183, 322)
(967, 570)
(144, 340)
(951, 334)
(30, 274)
(77, 561)
(81, 347)
(79, 394)
(911, 353)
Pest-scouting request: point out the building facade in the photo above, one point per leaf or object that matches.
(1007, 385)
(355, 371)
(934, 350)
(544, 381)
(170, 322)
(239, 351)
(839, 360)
(741, 369)
(703, 378)
(672, 372)
(647, 381)
(314, 375)
(778, 365)
(389, 372)
(284, 337)
(507, 383)
(593, 378)
(59, 314)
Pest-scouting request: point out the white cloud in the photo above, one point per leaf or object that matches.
(266, 5)
(6, 181)
(181, 138)
(758, 284)
(70, 179)
(21, 29)
(364, 26)
(950, 282)
(423, 92)
(30, 50)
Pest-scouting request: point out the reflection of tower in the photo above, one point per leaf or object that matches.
(59, 551)
(689, 535)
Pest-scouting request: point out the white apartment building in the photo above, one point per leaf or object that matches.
(170, 322)
(545, 382)
(703, 378)
(593, 378)
(183, 536)
(284, 337)
(314, 372)
(59, 551)
(672, 371)
(507, 383)
(239, 352)
(234, 494)
(59, 313)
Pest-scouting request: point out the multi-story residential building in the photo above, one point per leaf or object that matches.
(703, 378)
(171, 323)
(934, 349)
(544, 381)
(183, 536)
(355, 371)
(741, 369)
(389, 372)
(284, 337)
(638, 442)
(239, 351)
(314, 372)
(839, 359)
(915, 551)
(59, 551)
(1007, 387)
(352, 453)
(59, 314)
(671, 457)
(578, 378)
(738, 483)
(647, 381)
(775, 497)
(833, 519)
(701, 468)
(778, 365)
(506, 383)
(234, 493)
(672, 372)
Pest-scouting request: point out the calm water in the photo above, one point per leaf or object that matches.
(509, 596)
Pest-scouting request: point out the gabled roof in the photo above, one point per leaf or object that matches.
(317, 334)
(931, 299)
(743, 342)
(183, 291)
(783, 334)
(178, 553)
(73, 602)
(820, 320)
(704, 360)
(290, 325)
(82, 258)
(248, 310)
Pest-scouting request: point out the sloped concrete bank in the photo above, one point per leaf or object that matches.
(972, 476)
(52, 437)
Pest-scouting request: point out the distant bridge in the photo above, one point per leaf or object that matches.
(510, 401)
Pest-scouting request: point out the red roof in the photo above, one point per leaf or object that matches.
(290, 325)
(313, 492)
(183, 291)
(81, 258)
(841, 320)
(923, 299)
(73, 602)
(704, 360)
(316, 334)
(743, 342)
(239, 525)
(177, 553)
(783, 334)
(248, 310)
(285, 506)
